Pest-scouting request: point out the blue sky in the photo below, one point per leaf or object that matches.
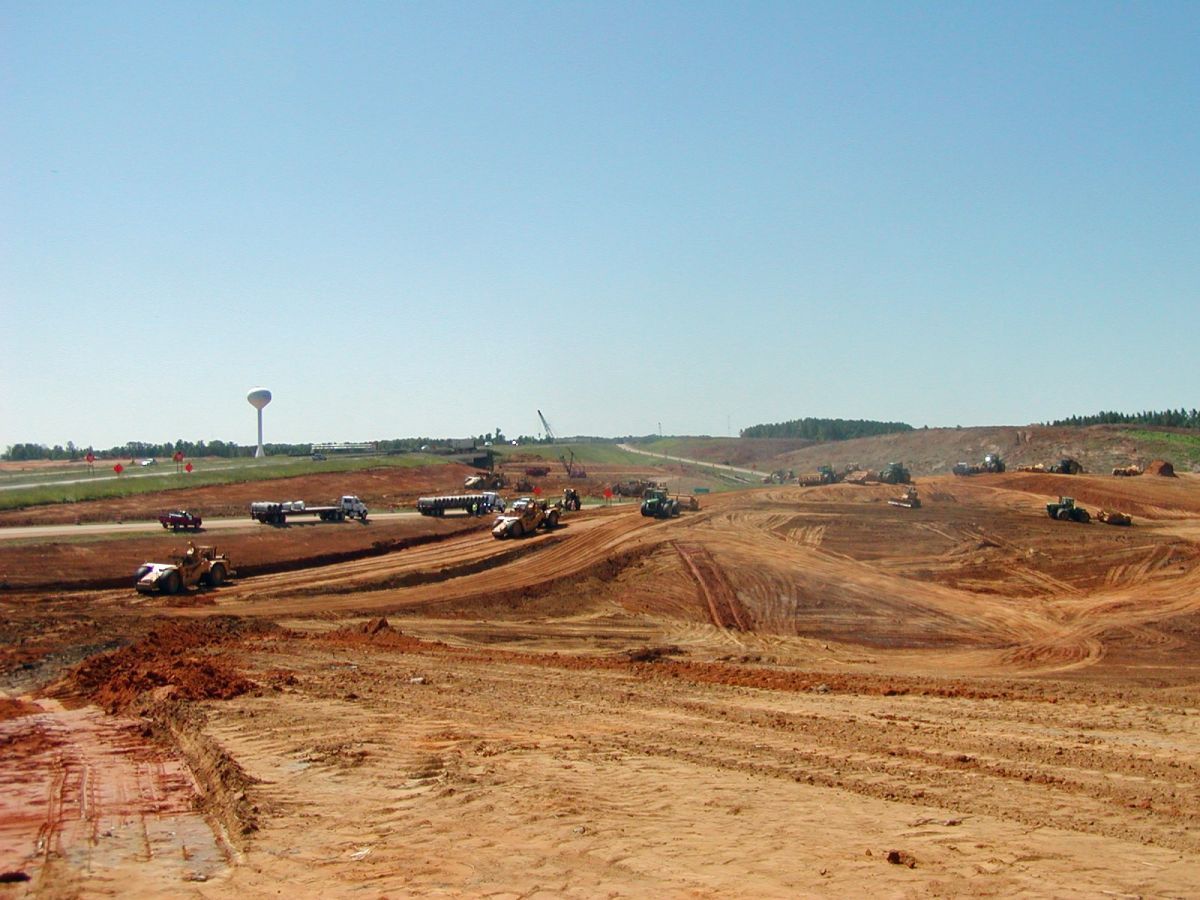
(437, 218)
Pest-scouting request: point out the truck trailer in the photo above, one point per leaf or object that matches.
(472, 504)
(272, 512)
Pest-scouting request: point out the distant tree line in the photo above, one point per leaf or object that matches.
(1171, 418)
(824, 429)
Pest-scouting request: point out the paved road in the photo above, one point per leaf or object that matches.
(753, 473)
(28, 532)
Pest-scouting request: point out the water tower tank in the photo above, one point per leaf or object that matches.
(258, 398)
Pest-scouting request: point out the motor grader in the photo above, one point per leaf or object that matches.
(196, 566)
(524, 517)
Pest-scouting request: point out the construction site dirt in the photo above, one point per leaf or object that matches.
(793, 691)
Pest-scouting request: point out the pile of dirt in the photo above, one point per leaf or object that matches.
(179, 660)
(1161, 467)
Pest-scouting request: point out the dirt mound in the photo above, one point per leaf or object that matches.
(181, 660)
(1161, 467)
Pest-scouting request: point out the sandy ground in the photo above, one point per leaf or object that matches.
(791, 692)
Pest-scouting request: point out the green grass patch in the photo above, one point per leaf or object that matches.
(598, 453)
(104, 485)
(1168, 445)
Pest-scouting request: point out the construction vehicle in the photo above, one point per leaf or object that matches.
(895, 473)
(1039, 467)
(1112, 517)
(573, 470)
(823, 475)
(659, 504)
(481, 481)
(196, 566)
(180, 518)
(271, 512)
(992, 463)
(537, 471)
(1066, 510)
(634, 487)
(780, 476)
(1127, 471)
(472, 504)
(1065, 466)
(909, 499)
(571, 500)
(524, 484)
(524, 517)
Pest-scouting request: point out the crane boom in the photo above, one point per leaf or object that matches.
(546, 426)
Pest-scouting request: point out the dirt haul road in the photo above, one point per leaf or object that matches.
(792, 691)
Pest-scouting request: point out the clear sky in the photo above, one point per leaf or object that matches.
(436, 218)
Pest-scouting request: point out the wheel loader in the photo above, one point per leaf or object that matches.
(1065, 510)
(196, 566)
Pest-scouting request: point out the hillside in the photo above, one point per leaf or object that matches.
(934, 451)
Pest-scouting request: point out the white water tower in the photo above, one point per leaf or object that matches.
(258, 398)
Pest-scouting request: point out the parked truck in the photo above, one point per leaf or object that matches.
(472, 504)
(273, 512)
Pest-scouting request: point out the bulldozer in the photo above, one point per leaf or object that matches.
(196, 566)
(908, 500)
(1066, 510)
(895, 473)
(1112, 517)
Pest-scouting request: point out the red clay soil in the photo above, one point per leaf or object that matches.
(179, 660)
(383, 489)
(1161, 467)
(80, 564)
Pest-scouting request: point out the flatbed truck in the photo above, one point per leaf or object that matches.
(271, 512)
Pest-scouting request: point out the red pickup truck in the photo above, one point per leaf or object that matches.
(180, 518)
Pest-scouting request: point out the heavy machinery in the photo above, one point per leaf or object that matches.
(523, 484)
(483, 481)
(571, 500)
(992, 463)
(271, 512)
(658, 504)
(573, 470)
(823, 475)
(1112, 517)
(1066, 510)
(780, 476)
(895, 473)
(634, 487)
(537, 471)
(196, 566)
(472, 504)
(1127, 471)
(1065, 466)
(908, 500)
(524, 517)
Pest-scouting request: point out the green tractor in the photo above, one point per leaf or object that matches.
(658, 504)
(1066, 510)
(895, 473)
